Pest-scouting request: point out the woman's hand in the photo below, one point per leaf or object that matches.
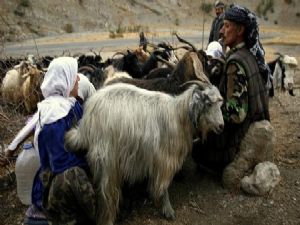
(6, 157)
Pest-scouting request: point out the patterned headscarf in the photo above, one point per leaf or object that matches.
(242, 15)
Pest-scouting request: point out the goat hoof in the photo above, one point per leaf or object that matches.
(169, 214)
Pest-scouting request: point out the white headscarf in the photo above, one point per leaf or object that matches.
(56, 87)
(85, 87)
(85, 90)
(214, 49)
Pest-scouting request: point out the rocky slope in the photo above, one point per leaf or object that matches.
(23, 19)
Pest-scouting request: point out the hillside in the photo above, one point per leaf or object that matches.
(24, 19)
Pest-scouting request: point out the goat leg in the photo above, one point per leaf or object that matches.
(166, 207)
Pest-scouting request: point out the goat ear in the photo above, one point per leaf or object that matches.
(196, 106)
(198, 68)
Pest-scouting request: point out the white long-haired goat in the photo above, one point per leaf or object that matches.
(132, 133)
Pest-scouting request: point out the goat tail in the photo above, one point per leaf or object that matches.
(74, 141)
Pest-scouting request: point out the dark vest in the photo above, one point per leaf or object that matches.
(220, 150)
(257, 92)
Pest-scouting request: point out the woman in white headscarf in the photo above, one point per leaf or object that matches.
(61, 186)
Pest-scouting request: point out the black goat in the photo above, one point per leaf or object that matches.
(156, 56)
(188, 68)
(95, 75)
(128, 63)
(93, 59)
(44, 62)
(158, 73)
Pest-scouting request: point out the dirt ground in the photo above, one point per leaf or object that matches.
(199, 198)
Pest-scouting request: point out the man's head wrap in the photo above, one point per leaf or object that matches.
(219, 4)
(244, 16)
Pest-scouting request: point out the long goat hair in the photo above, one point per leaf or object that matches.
(131, 134)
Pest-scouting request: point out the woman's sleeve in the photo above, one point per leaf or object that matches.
(24, 132)
(53, 145)
(52, 142)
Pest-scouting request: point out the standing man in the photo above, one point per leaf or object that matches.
(245, 108)
(217, 24)
(143, 41)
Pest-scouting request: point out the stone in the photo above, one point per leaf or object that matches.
(264, 178)
(257, 146)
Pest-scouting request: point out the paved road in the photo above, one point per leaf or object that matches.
(77, 47)
(21, 49)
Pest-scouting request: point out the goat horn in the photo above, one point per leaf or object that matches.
(184, 47)
(278, 53)
(186, 42)
(86, 69)
(153, 45)
(168, 63)
(201, 84)
(118, 53)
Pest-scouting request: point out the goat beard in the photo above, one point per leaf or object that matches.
(202, 132)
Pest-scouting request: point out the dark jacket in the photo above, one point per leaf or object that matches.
(216, 26)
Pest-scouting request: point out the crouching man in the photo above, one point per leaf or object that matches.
(248, 136)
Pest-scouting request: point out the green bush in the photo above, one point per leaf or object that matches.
(19, 12)
(68, 28)
(118, 32)
(264, 6)
(132, 2)
(298, 14)
(24, 3)
(288, 1)
(113, 34)
(120, 29)
(206, 7)
(177, 21)
(134, 29)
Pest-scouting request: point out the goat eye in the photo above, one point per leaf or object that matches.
(208, 103)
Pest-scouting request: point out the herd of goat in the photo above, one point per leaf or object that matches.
(172, 100)
(20, 78)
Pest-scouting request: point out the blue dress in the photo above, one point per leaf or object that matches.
(53, 155)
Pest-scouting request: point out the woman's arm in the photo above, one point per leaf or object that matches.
(23, 134)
